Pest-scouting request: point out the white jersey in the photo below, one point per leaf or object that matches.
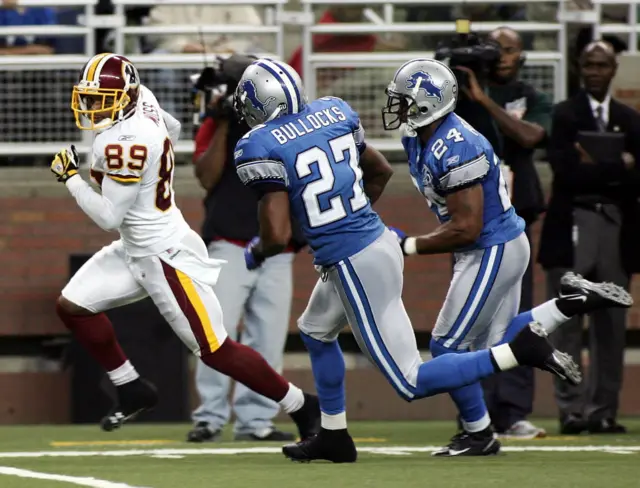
(139, 150)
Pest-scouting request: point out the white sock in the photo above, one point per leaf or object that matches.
(124, 374)
(334, 422)
(293, 400)
(504, 357)
(478, 425)
(549, 316)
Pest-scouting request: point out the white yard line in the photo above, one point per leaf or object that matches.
(387, 450)
(74, 480)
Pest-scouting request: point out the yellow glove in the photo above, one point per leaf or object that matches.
(65, 164)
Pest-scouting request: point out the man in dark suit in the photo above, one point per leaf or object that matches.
(591, 228)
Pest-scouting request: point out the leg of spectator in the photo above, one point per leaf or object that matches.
(232, 290)
(607, 332)
(265, 330)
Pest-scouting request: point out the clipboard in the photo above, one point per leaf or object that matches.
(602, 146)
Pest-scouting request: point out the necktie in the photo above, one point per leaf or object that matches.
(600, 122)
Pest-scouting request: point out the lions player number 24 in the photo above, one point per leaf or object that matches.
(336, 211)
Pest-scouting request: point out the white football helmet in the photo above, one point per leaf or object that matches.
(268, 89)
(422, 91)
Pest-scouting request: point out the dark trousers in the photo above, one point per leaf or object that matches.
(597, 258)
(509, 395)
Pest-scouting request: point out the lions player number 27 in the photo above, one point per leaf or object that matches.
(336, 211)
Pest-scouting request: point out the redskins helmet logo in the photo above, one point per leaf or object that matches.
(130, 74)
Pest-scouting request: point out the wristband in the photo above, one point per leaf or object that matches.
(410, 246)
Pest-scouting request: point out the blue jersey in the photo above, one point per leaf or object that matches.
(315, 156)
(457, 157)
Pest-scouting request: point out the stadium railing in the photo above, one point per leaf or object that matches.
(629, 30)
(37, 85)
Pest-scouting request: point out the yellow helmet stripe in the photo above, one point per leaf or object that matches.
(93, 66)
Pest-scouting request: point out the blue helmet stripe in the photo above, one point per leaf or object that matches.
(293, 83)
(287, 92)
(406, 64)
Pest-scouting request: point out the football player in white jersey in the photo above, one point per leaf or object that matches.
(158, 254)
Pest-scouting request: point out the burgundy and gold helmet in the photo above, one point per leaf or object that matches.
(106, 91)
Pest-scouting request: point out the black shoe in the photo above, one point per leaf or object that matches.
(605, 426)
(532, 348)
(202, 433)
(307, 419)
(132, 399)
(471, 444)
(274, 435)
(572, 424)
(330, 445)
(593, 296)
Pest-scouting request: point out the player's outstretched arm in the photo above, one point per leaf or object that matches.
(376, 172)
(466, 210)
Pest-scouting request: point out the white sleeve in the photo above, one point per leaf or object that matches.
(106, 210)
(173, 126)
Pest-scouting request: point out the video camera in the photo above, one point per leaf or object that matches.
(221, 80)
(468, 50)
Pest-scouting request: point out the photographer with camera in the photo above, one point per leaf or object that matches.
(515, 118)
(261, 298)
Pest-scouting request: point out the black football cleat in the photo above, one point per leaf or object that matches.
(307, 419)
(594, 296)
(202, 432)
(532, 348)
(481, 443)
(328, 445)
(132, 399)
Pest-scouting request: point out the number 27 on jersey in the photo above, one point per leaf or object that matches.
(324, 185)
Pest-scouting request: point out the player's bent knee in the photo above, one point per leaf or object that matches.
(315, 333)
(405, 386)
(405, 397)
(310, 337)
(67, 307)
(437, 348)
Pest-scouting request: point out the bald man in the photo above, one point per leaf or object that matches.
(591, 228)
(522, 116)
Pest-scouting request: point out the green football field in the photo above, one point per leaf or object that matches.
(392, 454)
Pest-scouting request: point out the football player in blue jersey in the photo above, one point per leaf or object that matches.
(310, 159)
(457, 171)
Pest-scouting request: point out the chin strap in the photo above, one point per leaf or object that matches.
(275, 114)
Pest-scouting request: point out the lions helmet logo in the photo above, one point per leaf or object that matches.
(252, 95)
(424, 81)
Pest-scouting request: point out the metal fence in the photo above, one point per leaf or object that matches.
(36, 90)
